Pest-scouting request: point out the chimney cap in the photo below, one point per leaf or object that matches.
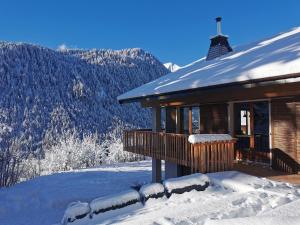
(218, 19)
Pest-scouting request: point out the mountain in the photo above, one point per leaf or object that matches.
(172, 66)
(45, 92)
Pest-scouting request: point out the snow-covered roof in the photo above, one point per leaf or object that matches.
(275, 56)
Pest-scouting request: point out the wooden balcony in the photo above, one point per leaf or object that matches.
(203, 157)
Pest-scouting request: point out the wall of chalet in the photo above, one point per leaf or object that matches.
(214, 119)
(285, 119)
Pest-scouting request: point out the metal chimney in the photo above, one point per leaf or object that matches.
(218, 20)
(219, 44)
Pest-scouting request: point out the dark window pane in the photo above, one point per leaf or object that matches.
(163, 118)
(196, 119)
(185, 120)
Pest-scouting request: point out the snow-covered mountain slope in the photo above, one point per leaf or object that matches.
(46, 92)
(172, 66)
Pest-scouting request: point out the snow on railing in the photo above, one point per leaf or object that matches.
(202, 138)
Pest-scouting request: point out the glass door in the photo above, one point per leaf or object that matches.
(252, 131)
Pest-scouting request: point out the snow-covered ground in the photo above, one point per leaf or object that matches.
(232, 198)
(42, 201)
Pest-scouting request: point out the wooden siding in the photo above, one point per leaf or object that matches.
(297, 115)
(175, 148)
(285, 120)
(214, 119)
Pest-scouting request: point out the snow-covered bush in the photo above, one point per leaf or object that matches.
(69, 151)
(113, 146)
(75, 210)
(73, 152)
(187, 183)
(11, 166)
(116, 201)
(31, 167)
(154, 190)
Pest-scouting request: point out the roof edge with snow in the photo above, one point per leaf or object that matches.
(273, 59)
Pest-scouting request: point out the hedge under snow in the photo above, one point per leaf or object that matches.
(75, 210)
(154, 190)
(201, 138)
(78, 210)
(181, 184)
(115, 201)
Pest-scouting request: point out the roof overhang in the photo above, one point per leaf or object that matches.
(282, 79)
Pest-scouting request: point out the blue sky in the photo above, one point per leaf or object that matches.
(172, 30)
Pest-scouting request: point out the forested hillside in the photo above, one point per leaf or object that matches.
(46, 93)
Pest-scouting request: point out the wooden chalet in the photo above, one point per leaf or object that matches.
(251, 92)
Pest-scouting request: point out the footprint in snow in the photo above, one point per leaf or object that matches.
(238, 201)
(164, 221)
(263, 195)
(190, 200)
(257, 186)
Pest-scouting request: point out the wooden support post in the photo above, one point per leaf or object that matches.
(156, 127)
(252, 137)
(231, 118)
(156, 170)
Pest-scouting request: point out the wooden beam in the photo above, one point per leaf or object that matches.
(233, 93)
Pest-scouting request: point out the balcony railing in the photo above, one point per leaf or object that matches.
(201, 157)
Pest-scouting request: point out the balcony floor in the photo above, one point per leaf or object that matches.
(261, 170)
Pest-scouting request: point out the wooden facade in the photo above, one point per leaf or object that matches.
(214, 119)
(278, 144)
(286, 134)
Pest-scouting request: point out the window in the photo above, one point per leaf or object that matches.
(245, 122)
(196, 120)
(185, 117)
(163, 118)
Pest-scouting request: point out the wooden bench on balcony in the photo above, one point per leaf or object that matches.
(202, 157)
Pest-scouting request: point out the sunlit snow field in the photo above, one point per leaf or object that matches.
(232, 198)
